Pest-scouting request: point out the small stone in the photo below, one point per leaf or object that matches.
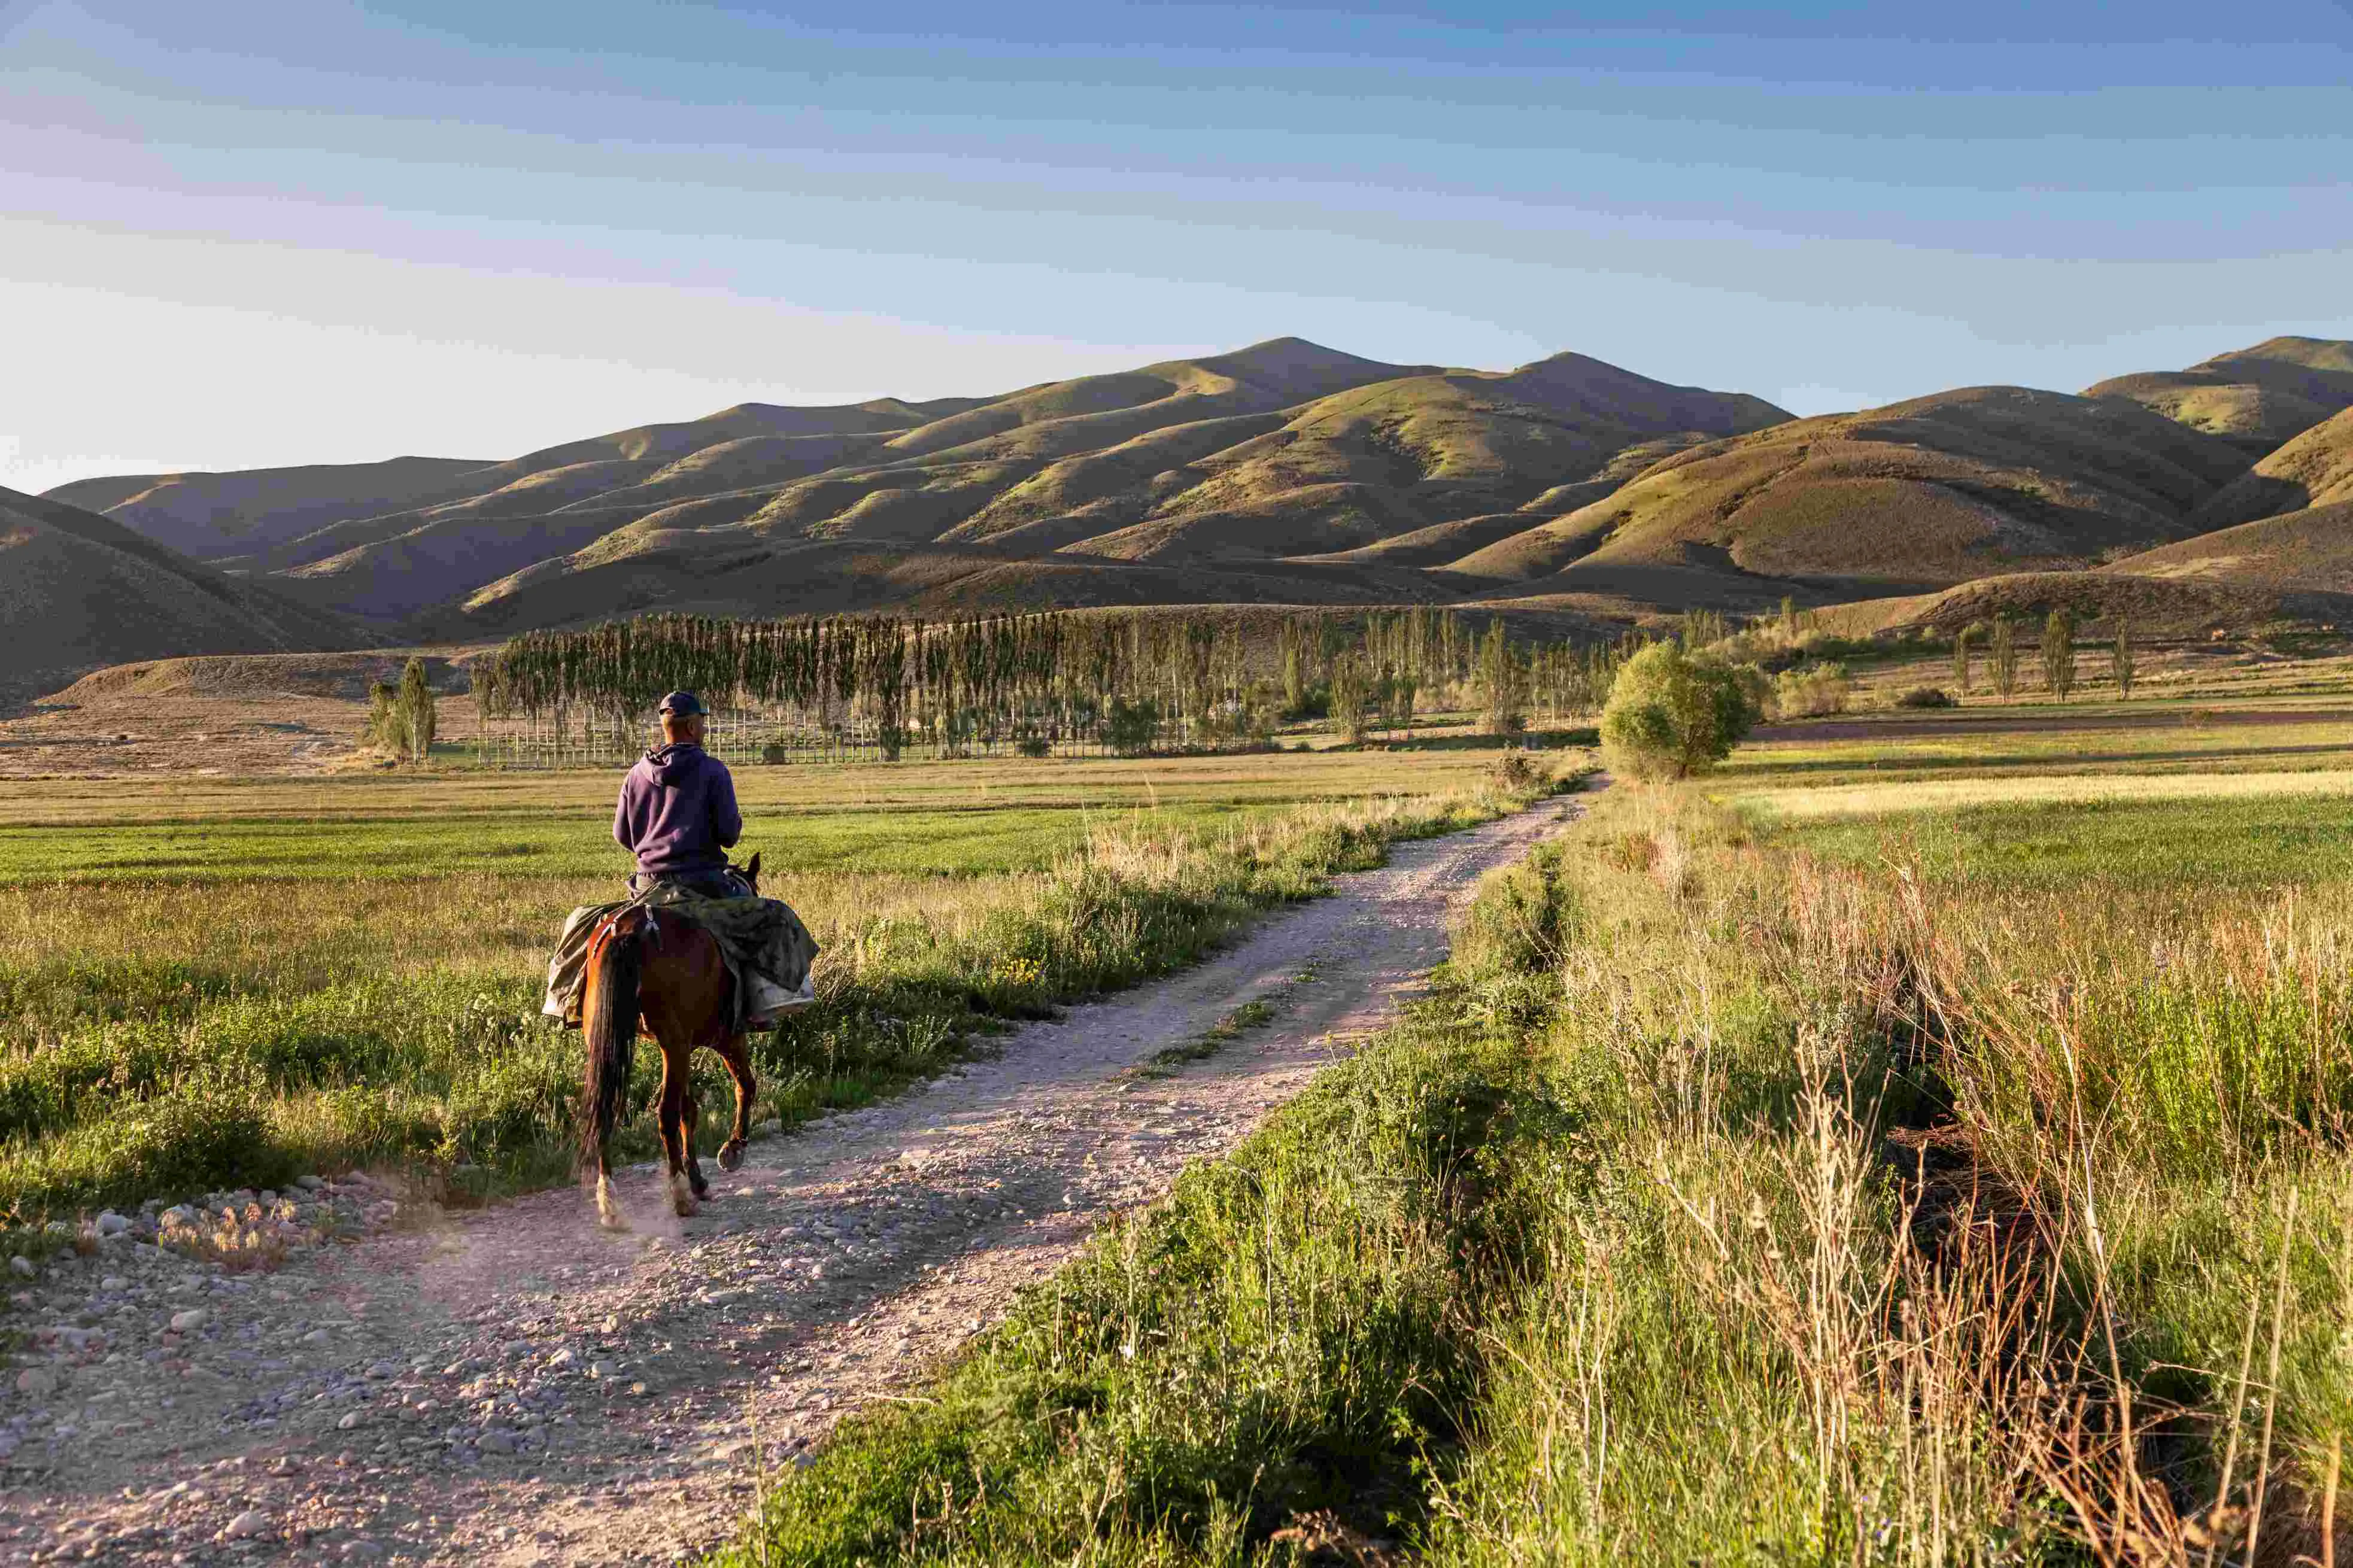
(252, 1522)
(317, 1337)
(115, 1282)
(352, 1418)
(362, 1551)
(37, 1381)
(309, 1183)
(561, 1359)
(495, 1442)
(189, 1321)
(111, 1224)
(603, 1368)
(22, 1266)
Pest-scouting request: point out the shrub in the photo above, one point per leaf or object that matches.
(1927, 696)
(1671, 713)
(1811, 692)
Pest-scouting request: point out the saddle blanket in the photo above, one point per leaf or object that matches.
(765, 946)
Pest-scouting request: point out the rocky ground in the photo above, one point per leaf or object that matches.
(336, 1373)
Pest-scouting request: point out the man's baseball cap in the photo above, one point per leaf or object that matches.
(682, 705)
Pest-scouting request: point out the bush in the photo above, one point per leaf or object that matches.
(1927, 696)
(1811, 692)
(1671, 713)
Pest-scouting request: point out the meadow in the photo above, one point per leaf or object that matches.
(1956, 1181)
(210, 984)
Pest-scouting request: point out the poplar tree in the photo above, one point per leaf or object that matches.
(2120, 657)
(2059, 653)
(1964, 651)
(2005, 655)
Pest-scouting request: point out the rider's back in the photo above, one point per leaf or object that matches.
(677, 812)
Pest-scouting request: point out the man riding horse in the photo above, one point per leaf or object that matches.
(695, 955)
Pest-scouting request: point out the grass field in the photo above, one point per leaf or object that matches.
(208, 984)
(1949, 1181)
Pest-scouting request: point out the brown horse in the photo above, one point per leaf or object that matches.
(644, 964)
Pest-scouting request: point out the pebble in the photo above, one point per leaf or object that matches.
(495, 1442)
(115, 1282)
(351, 1419)
(37, 1381)
(22, 1266)
(252, 1522)
(185, 1322)
(111, 1224)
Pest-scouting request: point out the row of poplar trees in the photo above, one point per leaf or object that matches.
(2058, 654)
(1035, 682)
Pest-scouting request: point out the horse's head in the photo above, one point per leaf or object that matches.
(750, 873)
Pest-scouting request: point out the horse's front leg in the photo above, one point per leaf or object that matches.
(736, 1054)
(674, 1117)
(690, 1118)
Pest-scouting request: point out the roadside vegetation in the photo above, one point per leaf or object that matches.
(1954, 1186)
(349, 975)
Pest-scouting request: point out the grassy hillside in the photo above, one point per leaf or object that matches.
(2257, 396)
(215, 515)
(1914, 495)
(2314, 470)
(1179, 481)
(2311, 548)
(77, 590)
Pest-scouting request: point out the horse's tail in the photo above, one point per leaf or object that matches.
(615, 965)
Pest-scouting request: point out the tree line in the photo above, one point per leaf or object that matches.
(833, 687)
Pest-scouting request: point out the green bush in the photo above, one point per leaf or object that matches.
(1671, 713)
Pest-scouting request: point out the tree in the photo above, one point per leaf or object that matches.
(414, 705)
(2005, 655)
(2120, 657)
(1964, 649)
(1502, 684)
(1350, 696)
(2059, 653)
(1672, 714)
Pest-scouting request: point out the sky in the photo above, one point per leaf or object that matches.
(241, 235)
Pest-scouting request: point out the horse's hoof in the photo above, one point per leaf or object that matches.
(731, 1154)
(608, 1213)
(682, 1198)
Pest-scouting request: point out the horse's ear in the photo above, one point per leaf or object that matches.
(751, 870)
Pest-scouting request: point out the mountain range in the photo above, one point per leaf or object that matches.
(1282, 473)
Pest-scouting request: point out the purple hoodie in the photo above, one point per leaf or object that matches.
(678, 813)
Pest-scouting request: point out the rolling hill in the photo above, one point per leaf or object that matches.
(1282, 473)
(1248, 475)
(2257, 398)
(1915, 496)
(2314, 470)
(209, 516)
(77, 590)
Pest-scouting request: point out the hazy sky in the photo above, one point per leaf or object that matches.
(237, 234)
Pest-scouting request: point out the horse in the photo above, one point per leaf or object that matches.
(668, 972)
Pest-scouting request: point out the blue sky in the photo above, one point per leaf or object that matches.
(248, 234)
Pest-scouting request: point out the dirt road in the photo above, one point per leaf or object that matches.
(516, 1386)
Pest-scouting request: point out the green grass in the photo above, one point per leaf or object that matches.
(321, 992)
(2198, 846)
(924, 820)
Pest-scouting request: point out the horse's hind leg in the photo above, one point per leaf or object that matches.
(608, 1211)
(677, 1139)
(738, 1057)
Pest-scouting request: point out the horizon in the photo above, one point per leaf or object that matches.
(308, 234)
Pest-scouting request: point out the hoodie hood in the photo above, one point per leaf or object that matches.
(675, 763)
